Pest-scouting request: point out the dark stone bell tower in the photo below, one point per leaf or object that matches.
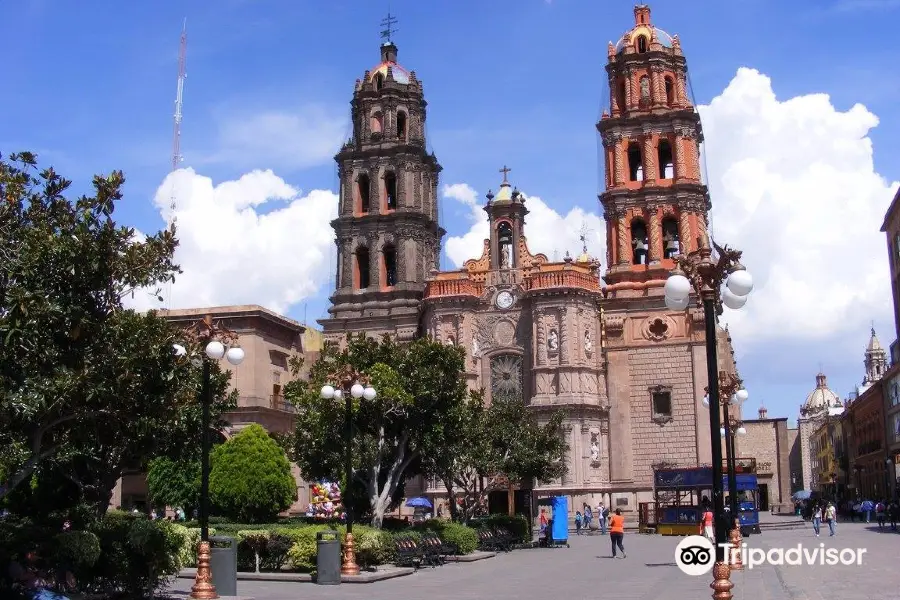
(387, 233)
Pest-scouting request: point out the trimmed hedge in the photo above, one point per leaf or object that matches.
(516, 525)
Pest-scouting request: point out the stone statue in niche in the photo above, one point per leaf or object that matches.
(450, 341)
(588, 341)
(595, 449)
(475, 349)
(645, 87)
(552, 341)
(505, 258)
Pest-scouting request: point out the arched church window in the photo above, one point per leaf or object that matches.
(671, 243)
(390, 190)
(505, 245)
(620, 95)
(670, 91)
(639, 242)
(362, 192)
(379, 81)
(401, 125)
(376, 123)
(664, 160)
(389, 256)
(641, 44)
(635, 162)
(362, 268)
(506, 377)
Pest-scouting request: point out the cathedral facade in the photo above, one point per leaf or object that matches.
(598, 344)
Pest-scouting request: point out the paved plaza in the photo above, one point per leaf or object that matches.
(585, 572)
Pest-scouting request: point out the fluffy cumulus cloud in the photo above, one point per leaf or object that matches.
(547, 230)
(256, 240)
(794, 186)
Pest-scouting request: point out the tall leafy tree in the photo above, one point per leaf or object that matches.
(420, 389)
(88, 389)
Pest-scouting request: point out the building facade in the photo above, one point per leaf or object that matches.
(821, 405)
(891, 397)
(628, 373)
(768, 441)
(891, 228)
(269, 341)
(868, 452)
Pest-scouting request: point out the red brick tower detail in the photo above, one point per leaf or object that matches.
(655, 203)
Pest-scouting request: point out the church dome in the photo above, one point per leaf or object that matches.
(661, 36)
(400, 74)
(822, 398)
(584, 258)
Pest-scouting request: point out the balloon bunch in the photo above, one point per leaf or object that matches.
(326, 500)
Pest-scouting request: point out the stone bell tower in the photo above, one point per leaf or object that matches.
(655, 204)
(387, 233)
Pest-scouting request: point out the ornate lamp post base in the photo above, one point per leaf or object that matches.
(737, 564)
(721, 584)
(349, 567)
(203, 588)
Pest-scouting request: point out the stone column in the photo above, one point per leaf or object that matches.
(692, 158)
(613, 95)
(623, 241)
(629, 92)
(620, 438)
(649, 159)
(655, 225)
(567, 478)
(400, 257)
(541, 339)
(563, 336)
(657, 85)
(374, 261)
(688, 243)
(345, 256)
(678, 150)
(619, 160)
(680, 90)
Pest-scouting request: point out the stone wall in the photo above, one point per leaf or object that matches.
(767, 441)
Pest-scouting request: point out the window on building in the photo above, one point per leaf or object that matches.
(390, 190)
(401, 125)
(620, 95)
(661, 400)
(664, 160)
(642, 43)
(379, 81)
(671, 243)
(670, 91)
(389, 254)
(635, 162)
(505, 245)
(376, 123)
(639, 242)
(362, 192)
(897, 246)
(362, 268)
(506, 377)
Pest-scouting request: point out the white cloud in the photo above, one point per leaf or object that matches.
(280, 139)
(547, 231)
(256, 240)
(794, 186)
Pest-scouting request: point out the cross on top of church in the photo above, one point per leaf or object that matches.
(505, 170)
(388, 23)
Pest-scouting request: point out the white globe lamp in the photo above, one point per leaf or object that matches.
(740, 283)
(235, 355)
(674, 304)
(742, 395)
(706, 401)
(338, 394)
(215, 350)
(327, 392)
(179, 350)
(741, 430)
(369, 393)
(677, 287)
(732, 300)
(722, 432)
(357, 390)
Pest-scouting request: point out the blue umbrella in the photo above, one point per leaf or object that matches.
(802, 495)
(418, 502)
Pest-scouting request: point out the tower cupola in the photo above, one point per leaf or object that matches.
(506, 214)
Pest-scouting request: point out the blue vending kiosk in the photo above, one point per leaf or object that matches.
(560, 527)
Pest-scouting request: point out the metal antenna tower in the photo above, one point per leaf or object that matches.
(179, 98)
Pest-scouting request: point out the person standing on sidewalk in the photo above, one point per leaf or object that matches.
(706, 525)
(830, 518)
(602, 518)
(617, 532)
(577, 522)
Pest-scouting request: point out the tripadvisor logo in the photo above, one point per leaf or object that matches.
(695, 555)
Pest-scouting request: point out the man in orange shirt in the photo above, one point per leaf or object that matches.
(617, 532)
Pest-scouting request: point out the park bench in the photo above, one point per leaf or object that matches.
(409, 554)
(436, 551)
(488, 540)
(505, 538)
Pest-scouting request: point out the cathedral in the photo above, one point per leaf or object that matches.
(595, 341)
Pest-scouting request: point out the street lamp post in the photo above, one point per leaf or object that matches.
(349, 384)
(217, 342)
(705, 275)
(729, 432)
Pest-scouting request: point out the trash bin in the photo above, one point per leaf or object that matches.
(223, 564)
(328, 558)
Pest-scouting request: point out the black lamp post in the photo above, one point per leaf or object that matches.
(216, 342)
(704, 274)
(349, 384)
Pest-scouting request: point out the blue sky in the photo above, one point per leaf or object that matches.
(90, 86)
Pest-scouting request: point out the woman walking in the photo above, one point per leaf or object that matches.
(817, 519)
(706, 525)
(617, 532)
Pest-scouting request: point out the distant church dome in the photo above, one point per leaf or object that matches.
(822, 399)
(585, 258)
(389, 60)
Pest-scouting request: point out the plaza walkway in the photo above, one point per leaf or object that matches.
(586, 572)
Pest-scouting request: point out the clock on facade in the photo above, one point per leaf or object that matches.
(504, 300)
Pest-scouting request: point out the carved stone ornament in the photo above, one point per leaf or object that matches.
(504, 333)
(697, 315)
(614, 324)
(553, 341)
(588, 342)
(595, 450)
(657, 329)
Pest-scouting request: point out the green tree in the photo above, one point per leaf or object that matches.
(174, 483)
(88, 389)
(420, 390)
(251, 478)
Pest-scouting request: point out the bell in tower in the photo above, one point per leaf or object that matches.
(387, 233)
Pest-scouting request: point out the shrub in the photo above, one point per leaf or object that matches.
(251, 547)
(187, 552)
(76, 551)
(302, 553)
(516, 525)
(251, 477)
(465, 539)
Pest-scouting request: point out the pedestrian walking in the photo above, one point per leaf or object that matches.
(588, 516)
(706, 525)
(603, 517)
(817, 519)
(577, 522)
(617, 532)
(879, 514)
(830, 518)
